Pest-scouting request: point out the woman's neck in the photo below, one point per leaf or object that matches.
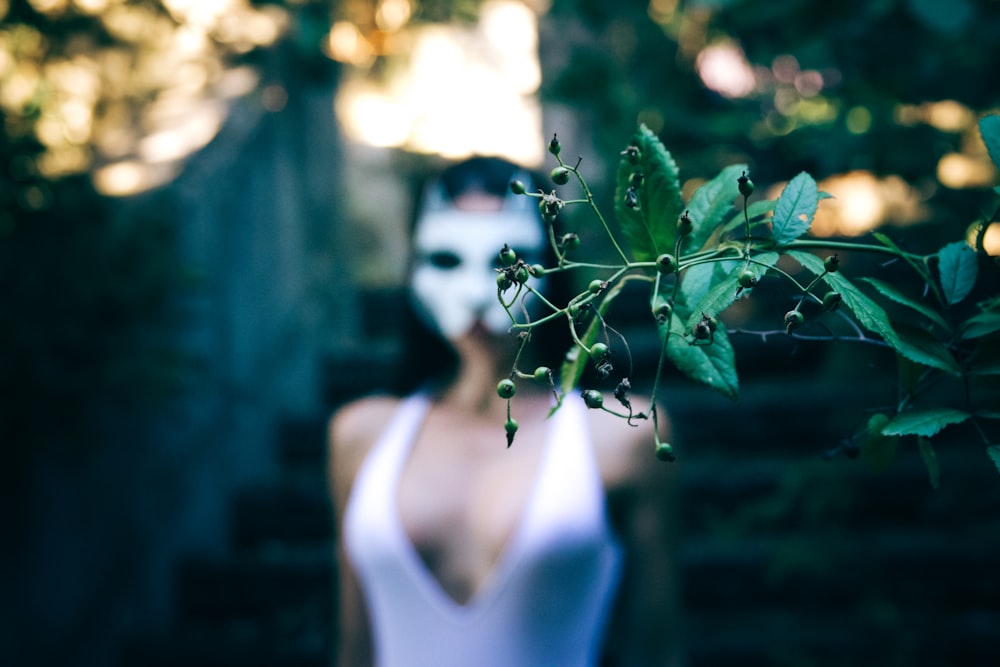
(482, 363)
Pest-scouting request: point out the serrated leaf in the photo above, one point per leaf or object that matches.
(921, 346)
(710, 203)
(892, 292)
(993, 451)
(929, 456)
(958, 267)
(874, 318)
(927, 422)
(727, 290)
(989, 128)
(981, 325)
(878, 450)
(758, 212)
(713, 365)
(795, 209)
(699, 279)
(650, 227)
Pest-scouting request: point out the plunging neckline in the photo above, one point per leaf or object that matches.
(490, 586)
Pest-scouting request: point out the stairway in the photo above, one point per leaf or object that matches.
(269, 603)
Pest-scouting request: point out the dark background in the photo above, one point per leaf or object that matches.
(168, 359)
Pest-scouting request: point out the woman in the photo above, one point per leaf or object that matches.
(457, 550)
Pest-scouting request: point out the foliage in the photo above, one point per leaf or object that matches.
(701, 259)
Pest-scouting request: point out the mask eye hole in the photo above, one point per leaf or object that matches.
(443, 259)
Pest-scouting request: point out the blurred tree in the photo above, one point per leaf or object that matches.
(893, 87)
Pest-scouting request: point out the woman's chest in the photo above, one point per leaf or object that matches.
(461, 505)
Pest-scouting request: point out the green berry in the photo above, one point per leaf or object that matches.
(747, 279)
(537, 270)
(632, 154)
(597, 286)
(554, 147)
(503, 282)
(684, 224)
(506, 388)
(831, 264)
(593, 399)
(522, 274)
(560, 175)
(517, 187)
(745, 185)
(793, 320)
(542, 373)
(702, 330)
(831, 300)
(666, 264)
(570, 241)
(598, 350)
(665, 452)
(663, 311)
(507, 255)
(510, 426)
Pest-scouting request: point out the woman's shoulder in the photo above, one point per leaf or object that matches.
(356, 424)
(352, 430)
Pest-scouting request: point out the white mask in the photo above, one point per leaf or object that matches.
(454, 280)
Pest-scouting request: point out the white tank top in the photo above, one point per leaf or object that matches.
(546, 602)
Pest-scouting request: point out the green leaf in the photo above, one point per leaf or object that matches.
(929, 456)
(713, 365)
(727, 290)
(759, 213)
(994, 453)
(989, 127)
(710, 203)
(872, 317)
(921, 346)
(981, 325)
(699, 279)
(892, 292)
(878, 450)
(959, 268)
(650, 227)
(927, 422)
(795, 209)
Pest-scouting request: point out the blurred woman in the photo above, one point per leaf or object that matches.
(457, 550)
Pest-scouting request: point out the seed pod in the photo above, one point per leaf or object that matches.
(560, 175)
(510, 426)
(745, 185)
(598, 350)
(632, 154)
(832, 263)
(666, 264)
(569, 241)
(506, 388)
(593, 399)
(793, 320)
(517, 187)
(747, 279)
(597, 286)
(684, 224)
(665, 452)
(507, 255)
(554, 147)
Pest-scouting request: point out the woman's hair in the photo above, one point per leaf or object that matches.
(427, 357)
